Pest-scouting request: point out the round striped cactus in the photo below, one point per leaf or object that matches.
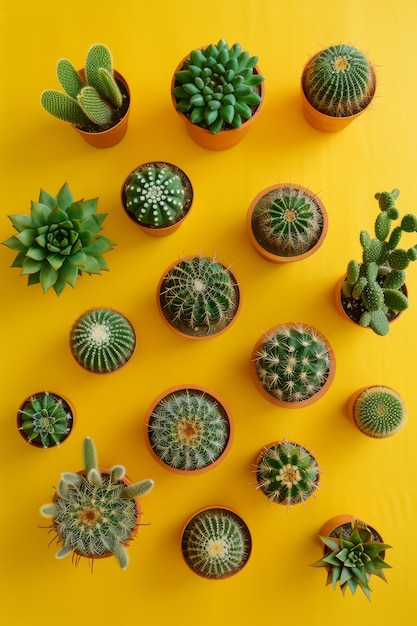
(379, 411)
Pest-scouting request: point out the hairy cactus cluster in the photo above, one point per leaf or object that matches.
(102, 340)
(95, 513)
(188, 429)
(339, 81)
(94, 101)
(216, 543)
(45, 419)
(215, 88)
(59, 240)
(374, 287)
(292, 362)
(379, 411)
(287, 473)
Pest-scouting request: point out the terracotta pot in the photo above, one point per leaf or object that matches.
(162, 231)
(269, 255)
(223, 408)
(36, 442)
(339, 520)
(112, 136)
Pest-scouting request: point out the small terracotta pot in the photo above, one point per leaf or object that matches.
(271, 256)
(36, 443)
(112, 136)
(339, 520)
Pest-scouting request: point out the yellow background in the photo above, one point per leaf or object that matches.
(375, 480)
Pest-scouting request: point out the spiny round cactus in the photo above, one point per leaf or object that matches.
(292, 363)
(215, 87)
(199, 296)
(216, 543)
(45, 419)
(339, 81)
(95, 513)
(102, 340)
(59, 240)
(287, 473)
(379, 411)
(188, 429)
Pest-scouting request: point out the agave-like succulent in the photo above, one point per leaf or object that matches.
(59, 240)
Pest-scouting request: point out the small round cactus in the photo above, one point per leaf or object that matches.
(216, 543)
(189, 429)
(45, 419)
(292, 364)
(379, 411)
(287, 473)
(102, 340)
(198, 296)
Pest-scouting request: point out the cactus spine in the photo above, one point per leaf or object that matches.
(379, 411)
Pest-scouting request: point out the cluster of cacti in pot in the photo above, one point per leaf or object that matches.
(378, 411)
(45, 419)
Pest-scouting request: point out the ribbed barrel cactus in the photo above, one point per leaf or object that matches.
(216, 543)
(189, 429)
(95, 513)
(45, 419)
(379, 411)
(59, 240)
(216, 86)
(102, 340)
(339, 81)
(287, 473)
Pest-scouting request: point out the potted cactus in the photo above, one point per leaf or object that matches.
(189, 429)
(157, 196)
(337, 85)
(287, 473)
(286, 222)
(353, 552)
(373, 292)
(96, 99)
(198, 297)
(216, 543)
(95, 512)
(102, 340)
(59, 241)
(292, 365)
(377, 411)
(218, 92)
(45, 419)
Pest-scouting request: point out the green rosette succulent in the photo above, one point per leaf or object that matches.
(59, 240)
(45, 419)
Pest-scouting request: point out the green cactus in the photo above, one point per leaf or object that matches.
(339, 81)
(93, 102)
(45, 419)
(199, 295)
(374, 289)
(216, 543)
(292, 362)
(95, 513)
(352, 558)
(216, 87)
(59, 240)
(379, 411)
(188, 429)
(287, 473)
(102, 340)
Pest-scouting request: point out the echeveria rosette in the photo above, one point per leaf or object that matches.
(45, 417)
(59, 240)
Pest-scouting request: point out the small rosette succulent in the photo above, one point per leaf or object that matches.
(215, 87)
(45, 419)
(59, 240)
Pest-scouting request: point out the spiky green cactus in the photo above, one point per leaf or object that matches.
(215, 87)
(102, 340)
(59, 240)
(339, 81)
(379, 411)
(45, 419)
(374, 288)
(292, 362)
(352, 560)
(199, 294)
(287, 473)
(95, 513)
(93, 102)
(188, 429)
(216, 543)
